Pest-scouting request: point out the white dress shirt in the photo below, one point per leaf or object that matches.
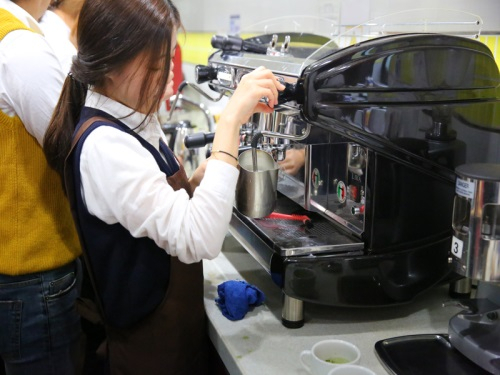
(31, 75)
(122, 183)
(57, 34)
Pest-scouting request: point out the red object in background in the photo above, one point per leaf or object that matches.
(178, 76)
(353, 190)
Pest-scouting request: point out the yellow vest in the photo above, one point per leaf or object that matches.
(36, 227)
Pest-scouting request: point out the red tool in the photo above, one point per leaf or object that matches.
(305, 219)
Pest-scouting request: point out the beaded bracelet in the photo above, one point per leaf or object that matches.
(226, 153)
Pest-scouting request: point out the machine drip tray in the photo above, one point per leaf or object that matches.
(292, 238)
(428, 354)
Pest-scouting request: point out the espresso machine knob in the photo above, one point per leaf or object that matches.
(204, 73)
(288, 94)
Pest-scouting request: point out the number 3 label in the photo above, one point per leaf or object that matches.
(457, 247)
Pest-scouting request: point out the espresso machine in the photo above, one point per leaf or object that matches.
(475, 331)
(376, 130)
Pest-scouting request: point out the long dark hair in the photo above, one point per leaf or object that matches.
(110, 34)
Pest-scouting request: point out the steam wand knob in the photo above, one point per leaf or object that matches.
(204, 73)
(288, 94)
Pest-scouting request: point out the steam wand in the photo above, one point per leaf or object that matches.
(255, 141)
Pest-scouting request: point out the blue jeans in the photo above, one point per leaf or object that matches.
(40, 331)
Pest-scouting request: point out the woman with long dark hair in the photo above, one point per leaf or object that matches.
(143, 225)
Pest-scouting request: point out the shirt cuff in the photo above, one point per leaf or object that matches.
(220, 177)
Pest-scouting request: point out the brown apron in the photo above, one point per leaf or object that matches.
(173, 339)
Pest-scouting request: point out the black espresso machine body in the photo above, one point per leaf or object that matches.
(387, 121)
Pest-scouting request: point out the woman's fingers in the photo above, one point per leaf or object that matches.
(262, 107)
(271, 84)
(247, 98)
(262, 73)
(267, 81)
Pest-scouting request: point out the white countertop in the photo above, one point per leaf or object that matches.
(260, 345)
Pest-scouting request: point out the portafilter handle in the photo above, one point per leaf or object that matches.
(197, 140)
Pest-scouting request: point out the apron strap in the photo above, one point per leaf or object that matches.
(69, 186)
(170, 158)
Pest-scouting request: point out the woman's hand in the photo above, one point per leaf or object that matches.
(294, 160)
(260, 83)
(246, 100)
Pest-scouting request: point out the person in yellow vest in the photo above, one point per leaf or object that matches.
(39, 249)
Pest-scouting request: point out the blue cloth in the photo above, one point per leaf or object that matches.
(236, 297)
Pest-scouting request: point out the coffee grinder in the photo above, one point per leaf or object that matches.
(475, 331)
